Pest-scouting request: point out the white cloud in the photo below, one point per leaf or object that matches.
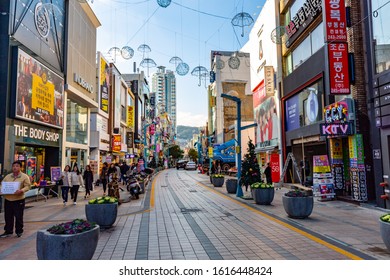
(190, 119)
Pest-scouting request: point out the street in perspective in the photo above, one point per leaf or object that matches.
(182, 216)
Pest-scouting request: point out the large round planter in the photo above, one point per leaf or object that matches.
(298, 207)
(218, 182)
(263, 196)
(231, 185)
(79, 246)
(102, 214)
(385, 233)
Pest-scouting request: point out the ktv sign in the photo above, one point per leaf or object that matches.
(337, 129)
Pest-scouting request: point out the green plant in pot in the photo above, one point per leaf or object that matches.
(384, 224)
(72, 240)
(298, 204)
(263, 193)
(102, 210)
(217, 180)
(250, 172)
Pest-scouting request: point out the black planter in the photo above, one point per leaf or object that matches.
(298, 207)
(385, 233)
(218, 182)
(102, 214)
(263, 196)
(231, 185)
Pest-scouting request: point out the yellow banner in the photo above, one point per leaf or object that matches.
(42, 95)
(211, 150)
(130, 117)
(336, 148)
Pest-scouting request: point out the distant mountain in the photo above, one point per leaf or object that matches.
(185, 133)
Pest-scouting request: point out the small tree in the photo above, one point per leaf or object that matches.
(176, 152)
(250, 172)
(193, 154)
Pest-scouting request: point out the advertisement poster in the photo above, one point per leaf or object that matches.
(55, 173)
(116, 143)
(39, 93)
(104, 83)
(323, 180)
(292, 113)
(321, 164)
(31, 169)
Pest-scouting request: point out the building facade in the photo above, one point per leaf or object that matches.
(32, 44)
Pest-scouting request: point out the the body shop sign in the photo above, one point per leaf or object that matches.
(338, 68)
(28, 133)
(336, 22)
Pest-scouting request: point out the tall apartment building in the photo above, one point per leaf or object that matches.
(164, 86)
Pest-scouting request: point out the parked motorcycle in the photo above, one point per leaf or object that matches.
(133, 186)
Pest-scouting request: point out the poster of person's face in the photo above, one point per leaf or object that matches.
(39, 92)
(267, 120)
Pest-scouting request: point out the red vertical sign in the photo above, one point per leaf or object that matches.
(275, 167)
(336, 21)
(338, 68)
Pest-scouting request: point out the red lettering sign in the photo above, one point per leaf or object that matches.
(338, 68)
(275, 168)
(336, 21)
(116, 143)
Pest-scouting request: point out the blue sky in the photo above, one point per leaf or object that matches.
(189, 29)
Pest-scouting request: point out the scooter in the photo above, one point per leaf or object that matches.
(133, 186)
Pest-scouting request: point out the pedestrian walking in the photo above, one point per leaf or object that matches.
(111, 170)
(88, 180)
(104, 177)
(14, 203)
(66, 183)
(267, 173)
(77, 181)
(124, 169)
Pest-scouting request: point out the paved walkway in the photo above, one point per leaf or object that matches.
(181, 216)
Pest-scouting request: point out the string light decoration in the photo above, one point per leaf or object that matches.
(242, 19)
(201, 72)
(127, 52)
(182, 69)
(164, 3)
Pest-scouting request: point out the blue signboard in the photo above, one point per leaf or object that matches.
(292, 113)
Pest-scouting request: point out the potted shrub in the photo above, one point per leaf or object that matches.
(384, 226)
(102, 211)
(73, 240)
(231, 185)
(298, 204)
(218, 180)
(263, 193)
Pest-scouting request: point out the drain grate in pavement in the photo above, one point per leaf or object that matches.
(193, 191)
(189, 210)
(164, 186)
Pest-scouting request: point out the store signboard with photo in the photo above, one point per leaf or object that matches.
(104, 83)
(39, 93)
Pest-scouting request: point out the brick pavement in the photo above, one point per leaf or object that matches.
(189, 219)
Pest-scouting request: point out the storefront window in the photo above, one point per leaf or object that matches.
(317, 38)
(381, 34)
(77, 123)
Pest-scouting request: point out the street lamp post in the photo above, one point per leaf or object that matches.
(239, 192)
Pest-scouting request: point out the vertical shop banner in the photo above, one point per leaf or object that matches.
(116, 143)
(323, 181)
(338, 68)
(104, 83)
(130, 117)
(39, 93)
(55, 173)
(321, 164)
(336, 155)
(275, 167)
(336, 21)
(292, 113)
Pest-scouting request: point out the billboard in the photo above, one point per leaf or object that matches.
(39, 93)
(104, 83)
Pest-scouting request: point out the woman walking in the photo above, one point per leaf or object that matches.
(77, 181)
(66, 183)
(88, 180)
(104, 177)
